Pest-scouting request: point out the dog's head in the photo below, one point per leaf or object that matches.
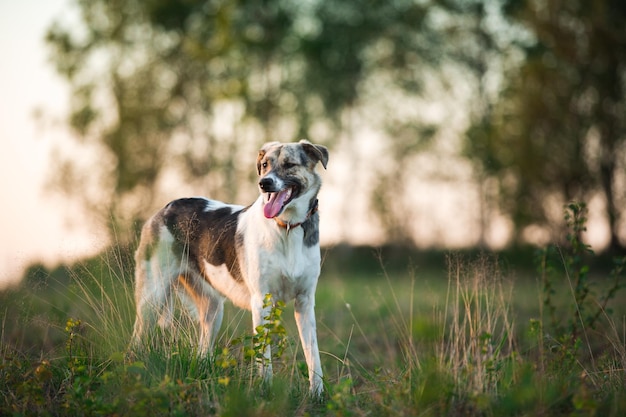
(287, 172)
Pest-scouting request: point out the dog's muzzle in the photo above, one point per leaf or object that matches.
(275, 198)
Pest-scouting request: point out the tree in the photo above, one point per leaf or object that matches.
(163, 87)
(151, 79)
(557, 131)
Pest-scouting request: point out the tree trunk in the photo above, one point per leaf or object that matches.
(607, 175)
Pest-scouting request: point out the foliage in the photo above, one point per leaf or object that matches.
(186, 86)
(588, 304)
(184, 92)
(556, 130)
(170, 91)
(270, 334)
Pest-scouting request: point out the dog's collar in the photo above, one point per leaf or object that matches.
(289, 226)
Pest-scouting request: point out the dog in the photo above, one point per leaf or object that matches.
(208, 251)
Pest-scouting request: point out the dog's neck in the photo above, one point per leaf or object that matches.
(313, 207)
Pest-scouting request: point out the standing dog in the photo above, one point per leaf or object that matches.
(211, 251)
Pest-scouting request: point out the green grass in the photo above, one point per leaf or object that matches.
(461, 338)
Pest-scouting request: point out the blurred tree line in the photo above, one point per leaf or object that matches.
(556, 131)
(185, 91)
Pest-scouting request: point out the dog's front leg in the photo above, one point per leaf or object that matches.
(305, 319)
(259, 318)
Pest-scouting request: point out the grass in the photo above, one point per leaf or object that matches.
(465, 339)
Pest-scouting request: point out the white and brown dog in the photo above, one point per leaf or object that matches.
(210, 251)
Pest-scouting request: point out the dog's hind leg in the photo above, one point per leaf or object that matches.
(154, 301)
(155, 275)
(141, 306)
(166, 308)
(209, 307)
(210, 322)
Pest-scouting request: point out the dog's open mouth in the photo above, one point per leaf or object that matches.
(276, 202)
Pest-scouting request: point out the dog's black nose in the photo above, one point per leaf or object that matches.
(266, 184)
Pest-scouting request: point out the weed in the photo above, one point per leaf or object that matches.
(478, 347)
(271, 333)
(586, 307)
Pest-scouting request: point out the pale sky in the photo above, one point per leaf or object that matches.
(34, 224)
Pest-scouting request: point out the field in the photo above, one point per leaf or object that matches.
(400, 334)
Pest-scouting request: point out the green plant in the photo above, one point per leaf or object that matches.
(271, 333)
(586, 306)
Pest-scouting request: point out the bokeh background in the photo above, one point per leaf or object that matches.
(451, 123)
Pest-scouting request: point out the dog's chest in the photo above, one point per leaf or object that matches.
(288, 267)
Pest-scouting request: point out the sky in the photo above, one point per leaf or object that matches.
(35, 223)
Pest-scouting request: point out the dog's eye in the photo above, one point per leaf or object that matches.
(264, 164)
(288, 165)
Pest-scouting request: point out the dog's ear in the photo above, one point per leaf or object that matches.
(315, 152)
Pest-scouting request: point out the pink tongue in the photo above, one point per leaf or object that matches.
(275, 204)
